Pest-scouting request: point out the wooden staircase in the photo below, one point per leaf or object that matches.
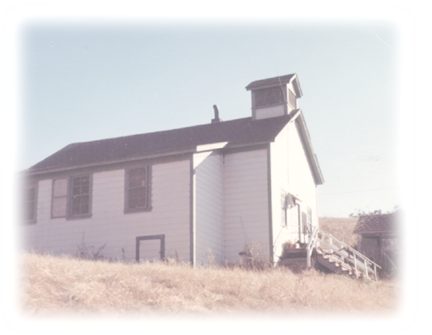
(333, 255)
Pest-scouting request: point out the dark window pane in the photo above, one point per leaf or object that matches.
(80, 185)
(137, 197)
(80, 197)
(84, 204)
(30, 209)
(75, 206)
(268, 96)
(137, 177)
(80, 205)
(137, 188)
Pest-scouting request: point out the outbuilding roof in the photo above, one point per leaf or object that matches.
(239, 132)
(376, 224)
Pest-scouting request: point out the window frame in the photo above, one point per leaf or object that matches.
(284, 208)
(70, 215)
(148, 187)
(283, 95)
(64, 196)
(29, 186)
(140, 239)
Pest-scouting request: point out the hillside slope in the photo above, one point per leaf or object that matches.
(341, 228)
(55, 284)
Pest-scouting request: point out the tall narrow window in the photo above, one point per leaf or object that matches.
(31, 204)
(138, 189)
(305, 226)
(59, 198)
(80, 196)
(309, 217)
(284, 208)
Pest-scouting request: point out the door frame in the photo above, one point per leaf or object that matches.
(160, 237)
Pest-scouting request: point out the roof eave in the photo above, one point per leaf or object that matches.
(296, 85)
(307, 144)
(260, 84)
(33, 172)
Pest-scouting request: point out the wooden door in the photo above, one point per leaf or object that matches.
(150, 248)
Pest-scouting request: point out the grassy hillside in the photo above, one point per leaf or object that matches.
(341, 228)
(57, 284)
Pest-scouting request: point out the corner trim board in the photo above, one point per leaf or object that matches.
(191, 211)
(270, 208)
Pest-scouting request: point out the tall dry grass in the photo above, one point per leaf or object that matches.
(341, 228)
(53, 284)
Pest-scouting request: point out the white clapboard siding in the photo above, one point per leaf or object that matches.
(291, 173)
(267, 112)
(209, 208)
(246, 213)
(110, 226)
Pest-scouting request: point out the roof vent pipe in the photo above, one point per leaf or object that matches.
(216, 115)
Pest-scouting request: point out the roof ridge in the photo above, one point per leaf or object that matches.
(156, 132)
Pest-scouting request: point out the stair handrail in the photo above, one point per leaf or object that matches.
(351, 249)
(356, 254)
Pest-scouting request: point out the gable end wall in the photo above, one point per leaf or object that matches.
(291, 173)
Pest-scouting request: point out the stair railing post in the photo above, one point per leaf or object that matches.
(355, 266)
(375, 272)
(366, 267)
(311, 245)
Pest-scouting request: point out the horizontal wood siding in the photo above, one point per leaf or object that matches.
(209, 208)
(290, 174)
(246, 214)
(267, 112)
(110, 226)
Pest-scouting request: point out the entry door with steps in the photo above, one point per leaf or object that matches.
(150, 248)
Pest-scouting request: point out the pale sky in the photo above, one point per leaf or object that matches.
(85, 83)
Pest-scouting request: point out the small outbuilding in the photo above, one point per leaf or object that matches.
(378, 239)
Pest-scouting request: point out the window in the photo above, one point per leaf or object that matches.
(59, 198)
(309, 216)
(307, 221)
(304, 223)
(269, 97)
(80, 196)
(31, 204)
(137, 189)
(287, 202)
(284, 209)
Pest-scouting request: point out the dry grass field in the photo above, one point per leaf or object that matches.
(341, 228)
(60, 284)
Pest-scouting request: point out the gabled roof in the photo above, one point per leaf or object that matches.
(268, 82)
(376, 224)
(277, 81)
(307, 145)
(239, 132)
